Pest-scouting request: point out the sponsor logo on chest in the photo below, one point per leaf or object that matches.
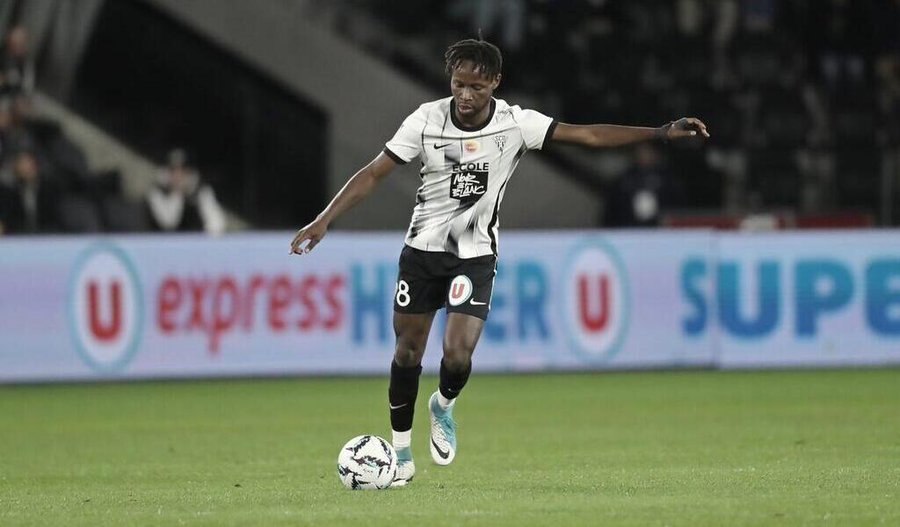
(468, 181)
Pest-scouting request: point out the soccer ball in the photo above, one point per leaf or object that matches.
(367, 463)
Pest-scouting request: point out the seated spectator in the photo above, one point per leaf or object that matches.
(29, 202)
(6, 124)
(8, 200)
(20, 129)
(180, 201)
(16, 63)
(643, 192)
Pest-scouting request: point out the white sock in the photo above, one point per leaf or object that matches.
(444, 402)
(401, 439)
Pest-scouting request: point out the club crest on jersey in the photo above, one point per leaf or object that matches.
(460, 290)
(468, 181)
(500, 141)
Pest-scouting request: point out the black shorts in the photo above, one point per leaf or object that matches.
(429, 281)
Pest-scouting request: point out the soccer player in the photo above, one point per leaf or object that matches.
(469, 145)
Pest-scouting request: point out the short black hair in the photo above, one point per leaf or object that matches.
(485, 56)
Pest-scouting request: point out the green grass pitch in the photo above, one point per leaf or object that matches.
(643, 449)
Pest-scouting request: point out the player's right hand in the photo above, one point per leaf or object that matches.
(312, 233)
(686, 127)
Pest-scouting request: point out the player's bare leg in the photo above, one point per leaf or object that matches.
(460, 339)
(412, 334)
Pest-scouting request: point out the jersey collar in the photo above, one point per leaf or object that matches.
(465, 128)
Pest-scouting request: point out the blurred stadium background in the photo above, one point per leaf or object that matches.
(802, 97)
(156, 156)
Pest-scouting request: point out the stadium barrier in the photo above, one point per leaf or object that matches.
(190, 306)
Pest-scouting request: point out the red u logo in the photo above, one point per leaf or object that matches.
(595, 319)
(457, 291)
(111, 329)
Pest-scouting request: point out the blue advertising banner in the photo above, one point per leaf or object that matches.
(812, 299)
(191, 306)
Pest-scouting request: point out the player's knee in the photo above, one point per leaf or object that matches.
(406, 359)
(408, 353)
(457, 358)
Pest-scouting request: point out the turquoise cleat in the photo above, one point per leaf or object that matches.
(443, 432)
(406, 468)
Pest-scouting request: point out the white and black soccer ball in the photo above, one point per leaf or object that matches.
(367, 463)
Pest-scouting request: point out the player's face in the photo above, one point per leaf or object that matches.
(471, 90)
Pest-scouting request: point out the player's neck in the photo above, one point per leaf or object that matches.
(475, 122)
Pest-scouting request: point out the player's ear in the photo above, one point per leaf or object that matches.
(496, 82)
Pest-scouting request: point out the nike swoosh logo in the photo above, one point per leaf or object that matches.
(444, 455)
(398, 406)
(438, 147)
(474, 303)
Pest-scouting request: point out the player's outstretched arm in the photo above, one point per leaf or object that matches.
(608, 135)
(358, 187)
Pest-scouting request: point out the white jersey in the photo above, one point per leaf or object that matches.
(464, 172)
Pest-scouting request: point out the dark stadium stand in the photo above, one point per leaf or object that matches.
(772, 79)
(802, 98)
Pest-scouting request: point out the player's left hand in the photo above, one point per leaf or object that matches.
(312, 234)
(685, 127)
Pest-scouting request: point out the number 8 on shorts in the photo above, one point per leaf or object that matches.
(403, 293)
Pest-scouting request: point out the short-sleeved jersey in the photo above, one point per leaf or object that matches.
(464, 172)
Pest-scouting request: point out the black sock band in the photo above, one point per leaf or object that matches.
(402, 395)
(452, 382)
